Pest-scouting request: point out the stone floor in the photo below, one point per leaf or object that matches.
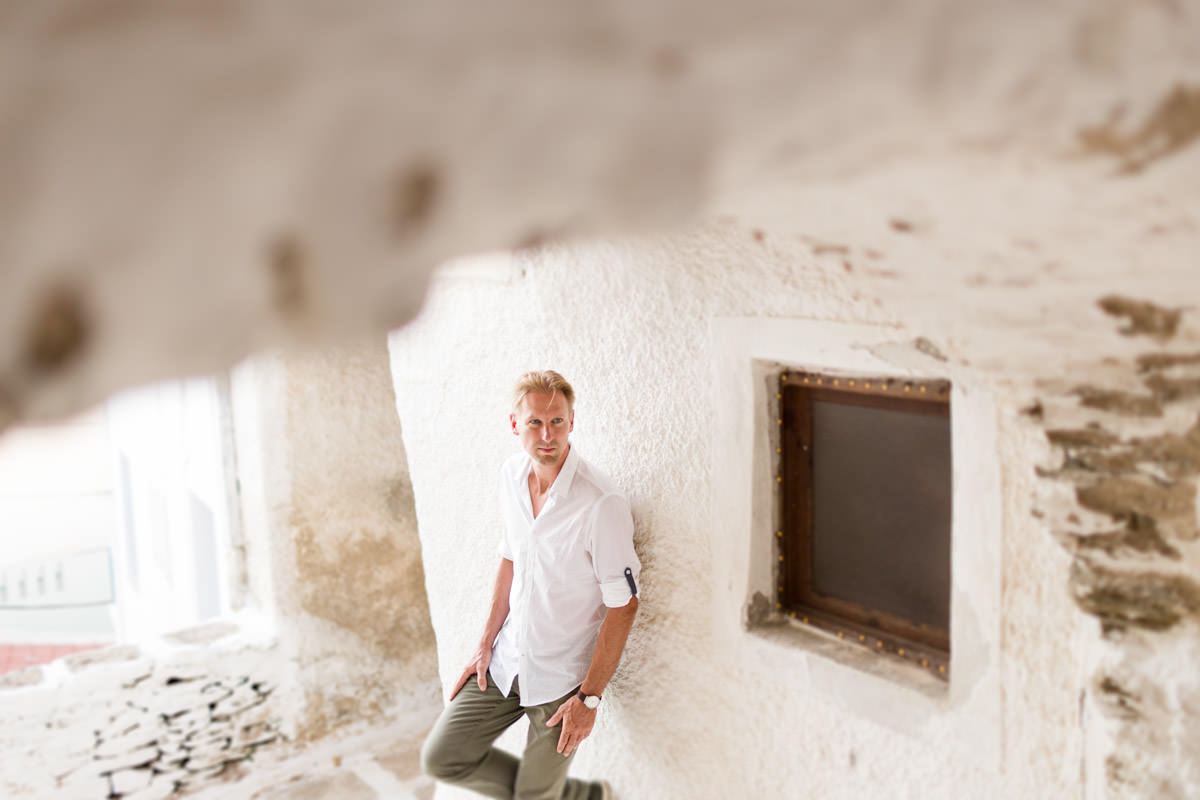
(378, 763)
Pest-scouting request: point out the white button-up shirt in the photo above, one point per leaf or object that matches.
(569, 566)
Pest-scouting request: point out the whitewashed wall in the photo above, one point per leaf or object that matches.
(185, 183)
(630, 326)
(331, 543)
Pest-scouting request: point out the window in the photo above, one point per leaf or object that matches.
(865, 511)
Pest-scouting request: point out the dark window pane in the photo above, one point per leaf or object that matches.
(881, 510)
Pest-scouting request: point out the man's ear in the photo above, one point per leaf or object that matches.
(572, 427)
(512, 418)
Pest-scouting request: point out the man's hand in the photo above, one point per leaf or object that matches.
(577, 721)
(478, 667)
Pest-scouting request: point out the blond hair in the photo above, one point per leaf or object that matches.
(542, 381)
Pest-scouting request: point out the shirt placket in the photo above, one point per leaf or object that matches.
(533, 563)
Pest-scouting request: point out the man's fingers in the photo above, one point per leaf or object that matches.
(554, 720)
(481, 674)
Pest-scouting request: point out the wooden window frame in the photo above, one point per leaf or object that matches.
(879, 630)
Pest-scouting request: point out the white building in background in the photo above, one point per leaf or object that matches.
(171, 449)
(117, 524)
(57, 522)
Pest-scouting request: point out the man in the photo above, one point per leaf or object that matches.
(563, 603)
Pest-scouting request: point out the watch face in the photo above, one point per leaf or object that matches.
(591, 701)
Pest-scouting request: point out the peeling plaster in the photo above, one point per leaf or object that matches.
(1140, 535)
(1119, 402)
(1173, 125)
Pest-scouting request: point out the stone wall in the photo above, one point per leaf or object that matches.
(1119, 492)
(175, 714)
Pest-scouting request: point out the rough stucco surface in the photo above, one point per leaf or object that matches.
(166, 165)
(183, 183)
(348, 582)
(629, 325)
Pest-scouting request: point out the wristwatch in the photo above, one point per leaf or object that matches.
(592, 701)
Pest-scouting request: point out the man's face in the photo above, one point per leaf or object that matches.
(542, 422)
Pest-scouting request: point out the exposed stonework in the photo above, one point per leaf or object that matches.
(124, 724)
(1139, 578)
(30, 676)
(115, 654)
(1123, 598)
(1133, 405)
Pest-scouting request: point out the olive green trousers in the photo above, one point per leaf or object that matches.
(460, 748)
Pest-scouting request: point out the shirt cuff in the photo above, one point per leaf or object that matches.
(616, 593)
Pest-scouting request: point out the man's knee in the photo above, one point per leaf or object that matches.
(442, 762)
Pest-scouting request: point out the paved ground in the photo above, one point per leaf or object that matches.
(20, 656)
(380, 763)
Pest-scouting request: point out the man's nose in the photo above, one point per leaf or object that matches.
(547, 434)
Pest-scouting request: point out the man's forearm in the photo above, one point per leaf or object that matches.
(499, 610)
(609, 646)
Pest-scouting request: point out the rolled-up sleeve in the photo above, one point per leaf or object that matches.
(614, 561)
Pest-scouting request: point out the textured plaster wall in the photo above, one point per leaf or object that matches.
(629, 324)
(182, 184)
(330, 521)
(296, 171)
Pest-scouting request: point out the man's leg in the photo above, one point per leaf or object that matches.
(459, 748)
(542, 774)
